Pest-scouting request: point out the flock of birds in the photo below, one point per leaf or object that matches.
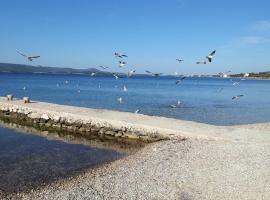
(122, 63)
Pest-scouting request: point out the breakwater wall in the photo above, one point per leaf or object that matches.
(85, 122)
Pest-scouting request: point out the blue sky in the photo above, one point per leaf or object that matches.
(86, 33)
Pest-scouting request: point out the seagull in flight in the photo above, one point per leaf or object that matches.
(122, 64)
(235, 83)
(93, 74)
(175, 106)
(30, 58)
(130, 73)
(118, 55)
(210, 56)
(104, 68)
(180, 80)
(237, 96)
(153, 74)
(201, 62)
(179, 60)
(125, 89)
(115, 76)
(120, 99)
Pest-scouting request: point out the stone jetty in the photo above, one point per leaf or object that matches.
(101, 123)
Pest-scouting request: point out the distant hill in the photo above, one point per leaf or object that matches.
(260, 75)
(19, 68)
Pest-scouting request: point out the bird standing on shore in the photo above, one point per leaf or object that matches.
(137, 111)
(30, 58)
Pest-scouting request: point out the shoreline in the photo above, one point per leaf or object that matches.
(190, 161)
(103, 123)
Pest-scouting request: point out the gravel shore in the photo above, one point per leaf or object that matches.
(237, 167)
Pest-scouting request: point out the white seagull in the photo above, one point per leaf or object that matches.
(125, 89)
(237, 96)
(93, 74)
(120, 99)
(130, 73)
(210, 56)
(115, 76)
(137, 111)
(122, 64)
(30, 58)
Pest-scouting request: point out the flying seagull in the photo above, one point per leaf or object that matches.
(120, 99)
(115, 76)
(179, 60)
(130, 73)
(125, 89)
(175, 106)
(235, 83)
(104, 68)
(180, 80)
(30, 58)
(93, 74)
(153, 74)
(118, 55)
(237, 96)
(210, 56)
(122, 64)
(201, 62)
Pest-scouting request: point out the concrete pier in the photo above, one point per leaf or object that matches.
(103, 123)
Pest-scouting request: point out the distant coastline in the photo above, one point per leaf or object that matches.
(22, 68)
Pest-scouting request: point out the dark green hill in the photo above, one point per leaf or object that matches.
(19, 68)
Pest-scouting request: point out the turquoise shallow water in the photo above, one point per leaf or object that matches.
(202, 99)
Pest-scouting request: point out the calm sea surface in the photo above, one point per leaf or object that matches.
(28, 161)
(207, 100)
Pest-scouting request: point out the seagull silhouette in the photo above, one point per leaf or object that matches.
(153, 74)
(180, 80)
(118, 55)
(210, 56)
(179, 60)
(201, 62)
(130, 73)
(237, 96)
(30, 58)
(102, 67)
